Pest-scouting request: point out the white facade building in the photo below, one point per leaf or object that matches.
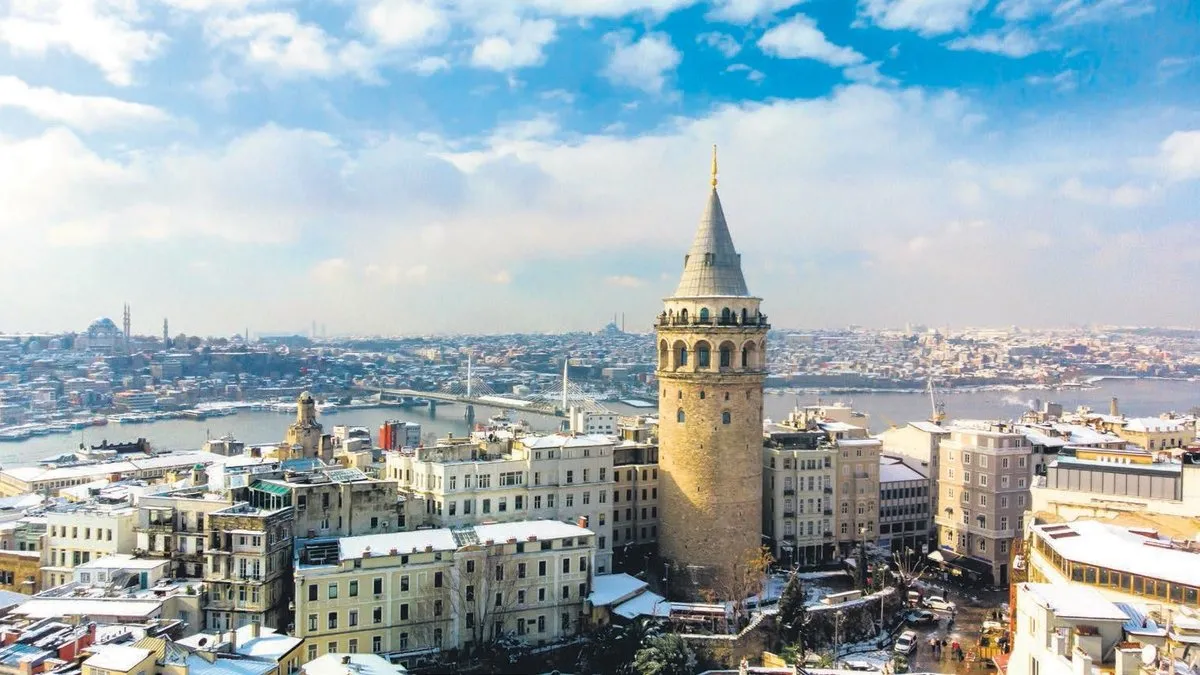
(560, 476)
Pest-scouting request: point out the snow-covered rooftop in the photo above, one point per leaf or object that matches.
(610, 588)
(1116, 548)
(120, 658)
(1072, 601)
(644, 604)
(894, 470)
(443, 539)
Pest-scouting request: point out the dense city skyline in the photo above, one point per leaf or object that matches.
(402, 167)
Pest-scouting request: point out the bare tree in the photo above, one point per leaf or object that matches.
(741, 578)
(483, 587)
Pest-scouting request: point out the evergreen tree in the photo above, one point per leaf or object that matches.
(792, 612)
(665, 655)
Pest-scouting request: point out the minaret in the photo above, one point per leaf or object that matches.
(125, 325)
(166, 335)
(711, 367)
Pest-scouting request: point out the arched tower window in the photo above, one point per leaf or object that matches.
(683, 315)
(745, 316)
(726, 417)
(681, 354)
(726, 355)
(703, 315)
(679, 416)
(703, 358)
(725, 315)
(663, 355)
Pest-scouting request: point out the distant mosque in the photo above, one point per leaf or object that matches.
(102, 335)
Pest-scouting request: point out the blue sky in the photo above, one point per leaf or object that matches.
(416, 166)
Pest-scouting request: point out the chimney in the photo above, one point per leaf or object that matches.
(1129, 659)
(582, 522)
(255, 629)
(233, 641)
(345, 659)
(1112, 407)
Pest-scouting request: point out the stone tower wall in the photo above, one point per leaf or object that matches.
(711, 484)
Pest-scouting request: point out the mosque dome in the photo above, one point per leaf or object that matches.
(103, 326)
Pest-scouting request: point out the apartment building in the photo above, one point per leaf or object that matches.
(339, 502)
(498, 478)
(905, 514)
(248, 564)
(415, 594)
(634, 505)
(1067, 630)
(918, 442)
(857, 486)
(171, 524)
(984, 484)
(79, 532)
(799, 466)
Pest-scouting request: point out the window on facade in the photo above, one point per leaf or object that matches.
(679, 416)
(404, 584)
(377, 585)
(333, 620)
(726, 418)
(333, 591)
(354, 589)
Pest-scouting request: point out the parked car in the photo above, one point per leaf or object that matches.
(863, 666)
(906, 643)
(921, 617)
(939, 603)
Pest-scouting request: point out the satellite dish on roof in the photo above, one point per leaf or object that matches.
(1149, 655)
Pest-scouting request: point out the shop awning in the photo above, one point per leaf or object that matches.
(1001, 662)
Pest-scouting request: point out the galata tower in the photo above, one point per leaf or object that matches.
(711, 367)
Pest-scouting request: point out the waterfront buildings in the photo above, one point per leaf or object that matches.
(502, 478)
(711, 341)
(984, 483)
(409, 594)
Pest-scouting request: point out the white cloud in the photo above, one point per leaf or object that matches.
(1065, 13)
(893, 218)
(281, 42)
(1065, 81)
(215, 5)
(1127, 195)
(404, 23)
(745, 11)
(1179, 154)
(1013, 42)
(501, 277)
(926, 17)
(105, 33)
(644, 64)
(722, 42)
(430, 65)
(517, 47)
(86, 113)
(868, 73)
(799, 38)
(1172, 67)
(624, 281)
(330, 270)
(751, 74)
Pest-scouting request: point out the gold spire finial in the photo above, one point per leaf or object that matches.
(714, 167)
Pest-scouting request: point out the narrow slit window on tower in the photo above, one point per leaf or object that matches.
(726, 417)
(701, 394)
(679, 416)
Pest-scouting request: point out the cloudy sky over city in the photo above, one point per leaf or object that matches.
(415, 166)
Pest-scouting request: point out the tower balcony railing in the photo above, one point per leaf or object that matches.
(734, 320)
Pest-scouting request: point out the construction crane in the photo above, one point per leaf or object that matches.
(937, 405)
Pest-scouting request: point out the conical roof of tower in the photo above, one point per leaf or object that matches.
(712, 266)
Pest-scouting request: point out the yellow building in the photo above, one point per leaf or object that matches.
(415, 594)
(711, 368)
(20, 571)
